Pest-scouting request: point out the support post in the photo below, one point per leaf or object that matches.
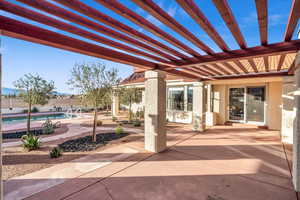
(296, 129)
(155, 111)
(198, 107)
(115, 105)
(288, 113)
(210, 116)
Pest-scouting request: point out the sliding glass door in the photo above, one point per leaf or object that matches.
(247, 104)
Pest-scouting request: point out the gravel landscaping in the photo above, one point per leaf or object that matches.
(86, 143)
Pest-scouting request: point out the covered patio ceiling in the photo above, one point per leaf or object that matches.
(125, 44)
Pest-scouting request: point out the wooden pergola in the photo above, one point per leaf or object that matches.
(146, 53)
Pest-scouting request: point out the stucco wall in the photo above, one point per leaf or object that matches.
(219, 103)
(274, 102)
(273, 99)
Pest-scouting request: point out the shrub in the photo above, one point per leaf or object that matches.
(137, 123)
(119, 130)
(99, 123)
(48, 127)
(30, 142)
(55, 152)
(114, 118)
(34, 110)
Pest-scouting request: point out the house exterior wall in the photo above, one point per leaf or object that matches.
(273, 98)
(274, 105)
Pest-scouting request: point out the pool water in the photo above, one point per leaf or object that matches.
(13, 120)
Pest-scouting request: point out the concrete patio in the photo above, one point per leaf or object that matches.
(224, 163)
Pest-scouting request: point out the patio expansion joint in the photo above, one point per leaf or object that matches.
(104, 178)
(135, 163)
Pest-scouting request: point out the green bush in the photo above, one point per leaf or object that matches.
(114, 118)
(48, 127)
(35, 110)
(30, 142)
(119, 130)
(137, 123)
(55, 152)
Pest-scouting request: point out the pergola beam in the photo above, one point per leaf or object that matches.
(72, 17)
(147, 25)
(20, 30)
(262, 16)
(293, 20)
(230, 21)
(241, 66)
(220, 68)
(280, 63)
(258, 51)
(266, 63)
(253, 65)
(109, 21)
(35, 16)
(16, 29)
(201, 71)
(230, 67)
(164, 17)
(194, 12)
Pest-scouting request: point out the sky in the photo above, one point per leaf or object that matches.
(21, 57)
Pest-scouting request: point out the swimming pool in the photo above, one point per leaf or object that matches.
(13, 120)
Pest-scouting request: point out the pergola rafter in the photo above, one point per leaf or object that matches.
(30, 14)
(262, 16)
(144, 52)
(73, 17)
(193, 10)
(293, 20)
(230, 21)
(169, 21)
(146, 24)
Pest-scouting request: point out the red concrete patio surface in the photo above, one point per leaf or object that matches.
(224, 163)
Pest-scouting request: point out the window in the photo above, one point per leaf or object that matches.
(180, 98)
(176, 98)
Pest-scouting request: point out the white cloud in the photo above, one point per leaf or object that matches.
(153, 20)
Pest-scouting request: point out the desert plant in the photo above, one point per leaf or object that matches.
(95, 84)
(36, 91)
(137, 123)
(35, 110)
(55, 152)
(130, 95)
(119, 130)
(99, 123)
(30, 142)
(48, 127)
(114, 118)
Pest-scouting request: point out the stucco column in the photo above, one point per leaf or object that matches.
(288, 113)
(155, 111)
(296, 131)
(198, 107)
(210, 117)
(115, 105)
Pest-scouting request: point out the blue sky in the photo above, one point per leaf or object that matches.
(20, 57)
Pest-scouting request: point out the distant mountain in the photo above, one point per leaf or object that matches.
(12, 91)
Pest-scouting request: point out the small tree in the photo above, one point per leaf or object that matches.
(94, 83)
(36, 90)
(130, 95)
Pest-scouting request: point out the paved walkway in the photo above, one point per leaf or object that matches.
(224, 163)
